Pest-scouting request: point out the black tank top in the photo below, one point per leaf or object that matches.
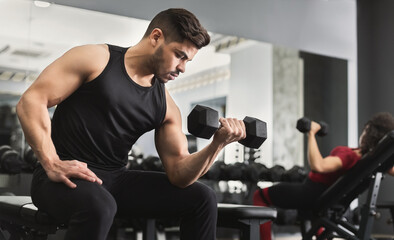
(99, 123)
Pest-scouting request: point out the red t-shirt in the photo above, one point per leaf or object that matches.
(348, 158)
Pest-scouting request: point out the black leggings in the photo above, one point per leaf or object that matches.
(295, 195)
(89, 209)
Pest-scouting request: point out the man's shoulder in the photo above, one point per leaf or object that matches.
(91, 58)
(89, 51)
(85, 47)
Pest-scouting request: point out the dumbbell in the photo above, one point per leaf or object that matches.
(10, 160)
(295, 174)
(275, 173)
(203, 122)
(30, 159)
(234, 171)
(152, 163)
(304, 125)
(251, 172)
(4, 148)
(215, 171)
(264, 172)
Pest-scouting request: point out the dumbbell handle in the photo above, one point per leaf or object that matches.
(208, 135)
(256, 126)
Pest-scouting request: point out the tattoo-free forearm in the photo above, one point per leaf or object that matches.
(35, 121)
(192, 167)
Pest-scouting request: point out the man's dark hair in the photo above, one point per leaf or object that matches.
(177, 25)
(378, 126)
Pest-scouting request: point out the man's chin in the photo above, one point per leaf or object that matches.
(163, 80)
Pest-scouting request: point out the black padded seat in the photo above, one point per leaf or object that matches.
(19, 211)
(228, 211)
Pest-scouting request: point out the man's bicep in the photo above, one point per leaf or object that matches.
(171, 144)
(54, 85)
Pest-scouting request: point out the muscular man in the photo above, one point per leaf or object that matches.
(106, 98)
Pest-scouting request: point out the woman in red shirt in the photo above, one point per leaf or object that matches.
(324, 170)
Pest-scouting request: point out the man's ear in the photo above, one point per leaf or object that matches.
(156, 36)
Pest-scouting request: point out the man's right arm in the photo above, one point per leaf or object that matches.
(59, 80)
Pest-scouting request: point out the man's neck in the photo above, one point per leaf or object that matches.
(138, 66)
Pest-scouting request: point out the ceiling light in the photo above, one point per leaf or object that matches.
(42, 4)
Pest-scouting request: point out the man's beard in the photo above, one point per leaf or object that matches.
(157, 61)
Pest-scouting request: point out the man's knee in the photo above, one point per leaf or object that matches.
(101, 208)
(206, 196)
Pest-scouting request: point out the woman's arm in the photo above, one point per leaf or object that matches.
(316, 161)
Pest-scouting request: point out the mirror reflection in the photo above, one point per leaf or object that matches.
(236, 76)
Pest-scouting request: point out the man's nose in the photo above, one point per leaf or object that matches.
(181, 67)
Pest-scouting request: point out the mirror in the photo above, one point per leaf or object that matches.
(257, 79)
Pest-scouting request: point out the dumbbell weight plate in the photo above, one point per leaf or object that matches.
(11, 162)
(215, 171)
(295, 174)
(276, 172)
(256, 132)
(203, 121)
(323, 130)
(30, 158)
(3, 165)
(303, 125)
(3, 149)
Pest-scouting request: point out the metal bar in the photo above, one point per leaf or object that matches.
(368, 212)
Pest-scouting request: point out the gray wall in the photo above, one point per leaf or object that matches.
(376, 75)
(325, 97)
(288, 106)
(375, 58)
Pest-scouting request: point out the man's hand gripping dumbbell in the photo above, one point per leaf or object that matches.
(203, 122)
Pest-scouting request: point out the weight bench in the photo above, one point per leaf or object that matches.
(23, 220)
(329, 209)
